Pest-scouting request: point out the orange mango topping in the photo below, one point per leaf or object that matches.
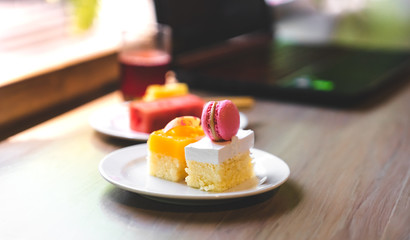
(183, 121)
(173, 142)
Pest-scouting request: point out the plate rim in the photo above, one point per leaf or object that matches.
(116, 107)
(205, 196)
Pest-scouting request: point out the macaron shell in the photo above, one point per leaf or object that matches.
(227, 119)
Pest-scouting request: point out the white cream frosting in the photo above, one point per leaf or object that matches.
(207, 151)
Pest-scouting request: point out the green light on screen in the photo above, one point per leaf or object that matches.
(323, 85)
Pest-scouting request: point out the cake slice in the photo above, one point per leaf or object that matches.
(166, 156)
(222, 159)
(218, 166)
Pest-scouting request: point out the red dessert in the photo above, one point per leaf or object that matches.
(151, 116)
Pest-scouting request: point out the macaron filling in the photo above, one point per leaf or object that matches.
(212, 123)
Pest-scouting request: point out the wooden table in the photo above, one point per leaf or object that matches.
(349, 179)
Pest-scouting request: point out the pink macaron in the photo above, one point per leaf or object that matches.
(220, 120)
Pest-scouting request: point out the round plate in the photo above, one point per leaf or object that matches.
(114, 121)
(127, 168)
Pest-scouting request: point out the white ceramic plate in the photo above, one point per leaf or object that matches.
(127, 168)
(114, 121)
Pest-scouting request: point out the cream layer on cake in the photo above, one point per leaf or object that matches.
(207, 151)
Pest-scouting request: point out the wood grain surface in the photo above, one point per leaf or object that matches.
(39, 93)
(349, 179)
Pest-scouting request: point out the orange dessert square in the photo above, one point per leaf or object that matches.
(166, 154)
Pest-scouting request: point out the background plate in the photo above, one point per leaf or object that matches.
(114, 121)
